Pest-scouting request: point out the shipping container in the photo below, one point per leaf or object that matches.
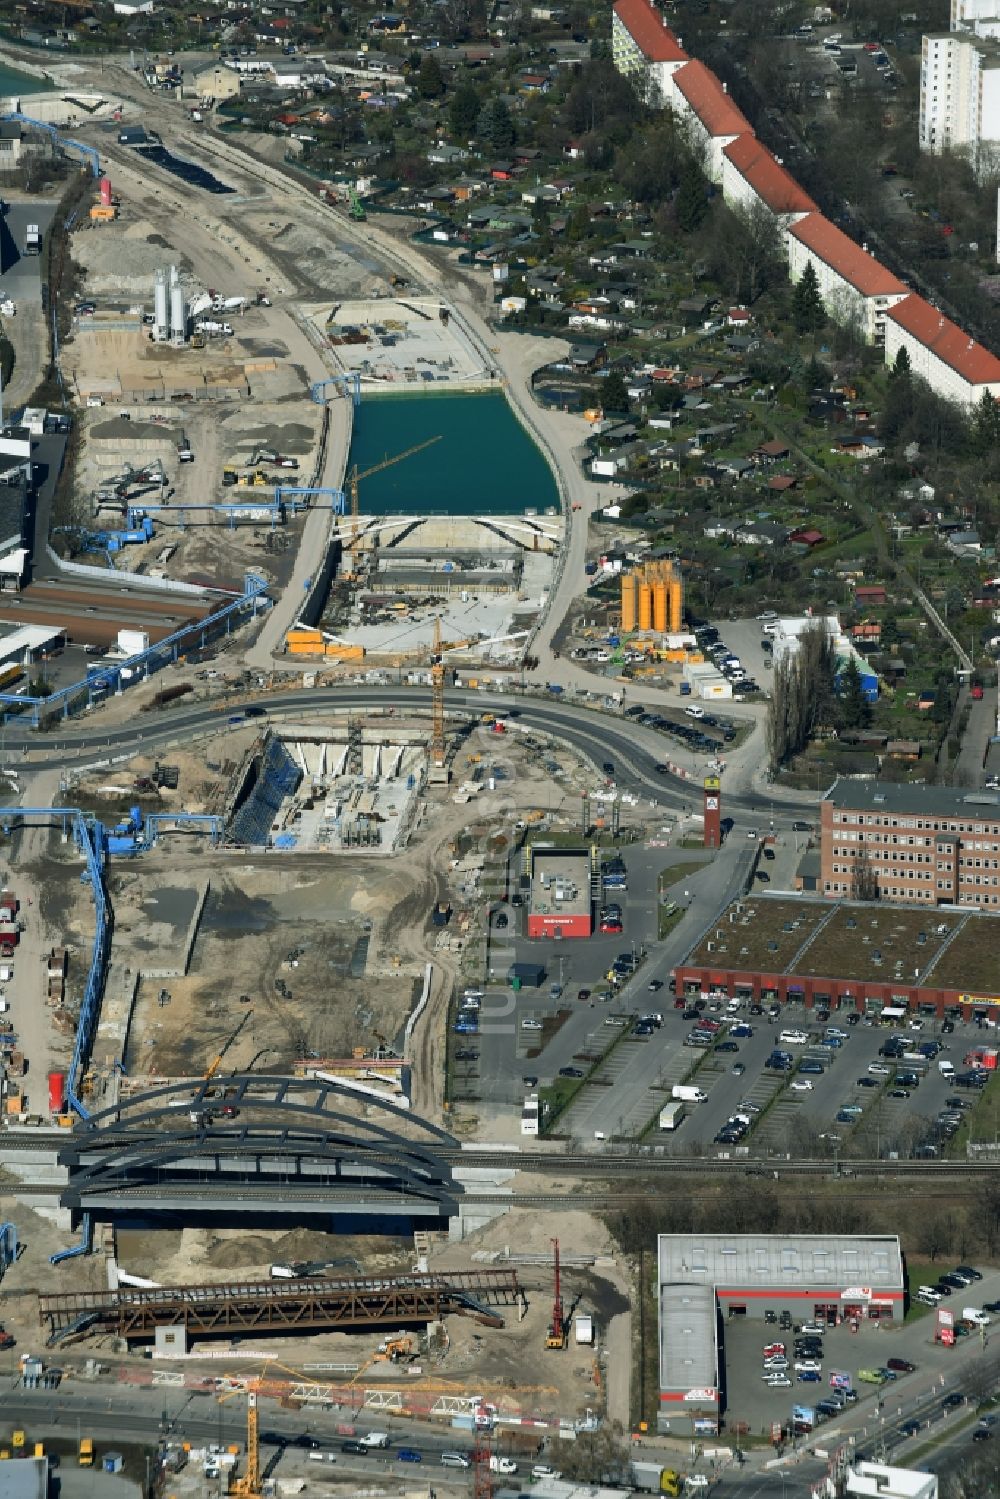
(57, 1092)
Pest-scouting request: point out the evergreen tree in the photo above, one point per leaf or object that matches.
(901, 369)
(430, 84)
(611, 393)
(463, 111)
(808, 312)
(691, 203)
(986, 426)
(855, 709)
(495, 126)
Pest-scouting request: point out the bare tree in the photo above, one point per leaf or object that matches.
(864, 877)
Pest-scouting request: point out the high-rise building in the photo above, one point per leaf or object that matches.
(960, 93)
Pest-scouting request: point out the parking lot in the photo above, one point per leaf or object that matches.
(855, 1106)
(850, 1100)
(750, 1400)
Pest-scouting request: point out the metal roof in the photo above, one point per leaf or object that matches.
(688, 1359)
(773, 1261)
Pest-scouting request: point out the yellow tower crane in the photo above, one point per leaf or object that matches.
(354, 477)
(248, 1487)
(437, 699)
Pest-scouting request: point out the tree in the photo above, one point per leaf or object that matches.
(430, 83)
(495, 126)
(463, 111)
(801, 692)
(808, 312)
(855, 709)
(611, 393)
(864, 878)
(691, 204)
(986, 426)
(901, 369)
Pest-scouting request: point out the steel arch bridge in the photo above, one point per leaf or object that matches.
(253, 1145)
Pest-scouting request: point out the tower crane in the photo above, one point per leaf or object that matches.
(556, 1335)
(214, 1066)
(248, 1487)
(437, 699)
(354, 478)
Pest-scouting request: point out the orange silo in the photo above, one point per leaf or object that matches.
(645, 607)
(660, 608)
(676, 605)
(630, 590)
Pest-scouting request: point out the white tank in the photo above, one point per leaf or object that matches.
(178, 314)
(161, 319)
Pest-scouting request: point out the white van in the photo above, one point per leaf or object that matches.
(946, 1069)
(977, 1315)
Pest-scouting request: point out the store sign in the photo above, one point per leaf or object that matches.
(979, 999)
(945, 1327)
(702, 1395)
(857, 1293)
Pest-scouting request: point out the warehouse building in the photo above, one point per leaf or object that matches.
(706, 1279)
(933, 845)
(561, 904)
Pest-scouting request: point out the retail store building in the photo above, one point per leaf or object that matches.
(706, 1280)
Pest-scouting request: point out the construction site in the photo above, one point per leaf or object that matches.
(409, 344)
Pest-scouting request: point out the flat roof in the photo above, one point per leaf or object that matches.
(688, 1345)
(560, 882)
(28, 638)
(814, 937)
(27, 1479)
(870, 795)
(773, 1261)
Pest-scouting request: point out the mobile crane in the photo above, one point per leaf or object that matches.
(556, 1335)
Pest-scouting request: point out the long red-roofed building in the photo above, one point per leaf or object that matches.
(751, 176)
(940, 352)
(855, 287)
(644, 48)
(699, 97)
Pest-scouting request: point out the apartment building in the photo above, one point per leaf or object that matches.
(980, 17)
(925, 845)
(960, 105)
(959, 93)
(753, 178)
(644, 48)
(940, 352)
(713, 118)
(855, 287)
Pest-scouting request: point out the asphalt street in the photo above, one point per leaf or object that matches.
(635, 750)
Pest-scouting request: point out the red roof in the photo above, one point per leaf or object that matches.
(772, 184)
(709, 100)
(649, 31)
(859, 269)
(947, 341)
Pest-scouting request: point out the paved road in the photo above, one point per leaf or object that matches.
(635, 750)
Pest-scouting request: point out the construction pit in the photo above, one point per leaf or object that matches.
(401, 343)
(482, 581)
